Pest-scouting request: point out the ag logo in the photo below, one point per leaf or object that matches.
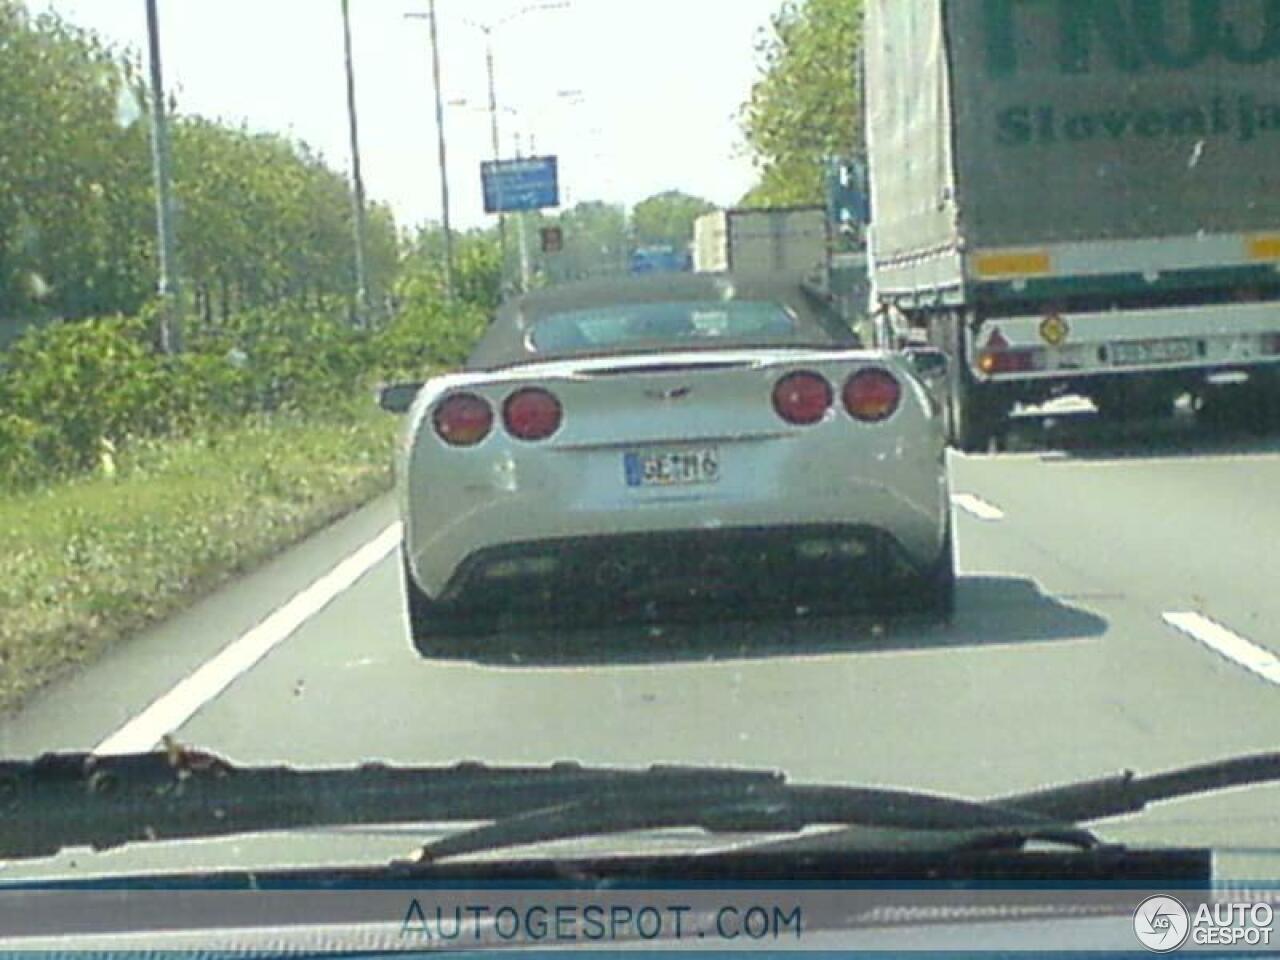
(1161, 924)
(1055, 330)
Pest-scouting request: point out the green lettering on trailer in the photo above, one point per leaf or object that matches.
(1132, 35)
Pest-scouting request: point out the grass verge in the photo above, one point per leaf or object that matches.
(85, 563)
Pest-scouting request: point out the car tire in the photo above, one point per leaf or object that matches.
(434, 630)
(939, 581)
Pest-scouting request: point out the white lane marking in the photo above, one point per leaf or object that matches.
(978, 507)
(180, 704)
(1230, 645)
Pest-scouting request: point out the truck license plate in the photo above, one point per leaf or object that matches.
(672, 468)
(1145, 352)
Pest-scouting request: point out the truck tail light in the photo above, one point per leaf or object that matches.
(993, 362)
(463, 419)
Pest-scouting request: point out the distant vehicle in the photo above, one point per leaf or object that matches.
(1066, 207)
(793, 240)
(617, 446)
(648, 260)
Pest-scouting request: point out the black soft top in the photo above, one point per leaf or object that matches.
(507, 342)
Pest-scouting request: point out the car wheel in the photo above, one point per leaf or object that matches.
(435, 630)
(939, 581)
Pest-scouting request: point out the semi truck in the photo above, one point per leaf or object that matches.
(773, 240)
(1078, 197)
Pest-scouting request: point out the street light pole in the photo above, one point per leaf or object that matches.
(522, 225)
(170, 288)
(488, 30)
(497, 142)
(450, 280)
(359, 213)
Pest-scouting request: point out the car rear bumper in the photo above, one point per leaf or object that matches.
(446, 551)
(608, 576)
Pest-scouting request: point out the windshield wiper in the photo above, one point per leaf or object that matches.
(766, 808)
(62, 801)
(1089, 801)
(1052, 815)
(82, 800)
(1115, 796)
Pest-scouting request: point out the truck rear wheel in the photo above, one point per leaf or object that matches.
(975, 417)
(1253, 407)
(972, 425)
(1133, 400)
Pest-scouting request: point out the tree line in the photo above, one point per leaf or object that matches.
(262, 220)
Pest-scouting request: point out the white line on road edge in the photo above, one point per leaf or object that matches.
(180, 704)
(977, 507)
(1235, 648)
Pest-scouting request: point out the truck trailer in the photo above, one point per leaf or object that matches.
(772, 240)
(1078, 197)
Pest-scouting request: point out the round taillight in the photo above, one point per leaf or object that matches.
(532, 414)
(463, 420)
(802, 398)
(872, 395)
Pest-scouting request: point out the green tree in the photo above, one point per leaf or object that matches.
(667, 219)
(262, 220)
(73, 168)
(805, 107)
(477, 261)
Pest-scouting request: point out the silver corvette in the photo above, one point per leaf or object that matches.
(642, 447)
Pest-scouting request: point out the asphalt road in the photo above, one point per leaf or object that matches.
(1118, 608)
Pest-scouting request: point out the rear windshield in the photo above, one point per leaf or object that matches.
(662, 324)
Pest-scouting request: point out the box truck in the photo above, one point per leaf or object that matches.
(1078, 196)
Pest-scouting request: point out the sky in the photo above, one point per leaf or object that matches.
(657, 86)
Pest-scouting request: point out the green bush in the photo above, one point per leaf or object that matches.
(82, 387)
(76, 395)
(18, 459)
(278, 358)
(428, 333)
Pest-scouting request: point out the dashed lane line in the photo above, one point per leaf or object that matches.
(977, 507)
(1224, 642)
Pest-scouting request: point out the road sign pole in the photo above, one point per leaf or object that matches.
(497, 143)
(169, 287)
(449, 278)
(357, 177)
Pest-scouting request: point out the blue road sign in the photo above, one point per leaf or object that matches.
(513, 185)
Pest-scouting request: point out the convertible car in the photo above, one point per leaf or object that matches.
(641, 446)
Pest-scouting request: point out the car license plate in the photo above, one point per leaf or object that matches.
(672, 468)
(1148, 352)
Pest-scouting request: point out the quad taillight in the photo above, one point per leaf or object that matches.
(532, 414)
(805, 398)
(872, 395)
(463, 419)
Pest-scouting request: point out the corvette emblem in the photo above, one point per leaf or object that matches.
(679, 393)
